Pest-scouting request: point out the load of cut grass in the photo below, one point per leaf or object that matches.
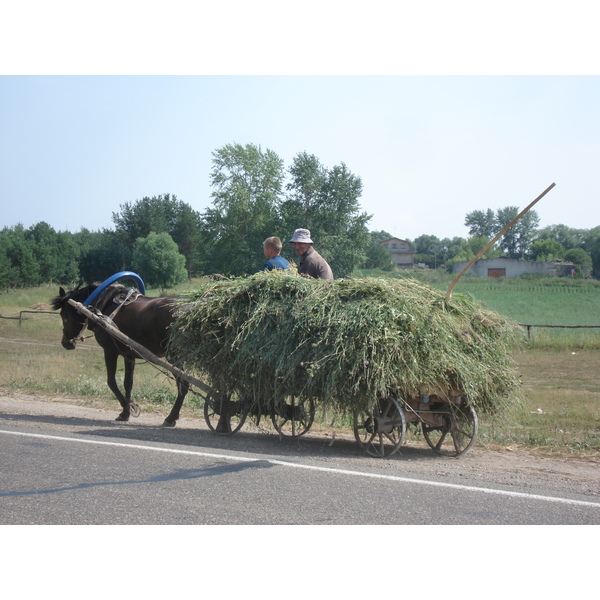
(344, 342)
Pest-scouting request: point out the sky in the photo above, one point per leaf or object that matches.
(430, 142)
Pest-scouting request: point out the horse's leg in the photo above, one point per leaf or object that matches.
(128, 384)
(182, 389)
(110, 360)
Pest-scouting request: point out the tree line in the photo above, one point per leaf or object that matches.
(254, 197)
(524, 240)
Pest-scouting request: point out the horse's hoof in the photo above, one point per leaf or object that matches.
(135, 409)
(167, 423)
(122, 418)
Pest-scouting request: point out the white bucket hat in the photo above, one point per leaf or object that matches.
(302, 236)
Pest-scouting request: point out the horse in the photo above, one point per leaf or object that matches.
(145, 320)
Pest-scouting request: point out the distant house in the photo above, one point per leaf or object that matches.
(513, 267)
(401, 252)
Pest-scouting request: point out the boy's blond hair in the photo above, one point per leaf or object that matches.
(274, 243)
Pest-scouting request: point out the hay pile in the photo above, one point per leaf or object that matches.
(345, 342)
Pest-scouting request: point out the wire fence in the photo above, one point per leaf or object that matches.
(21, 318)
(529, 327)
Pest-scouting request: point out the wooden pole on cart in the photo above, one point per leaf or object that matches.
(490, 244)
(103, 321)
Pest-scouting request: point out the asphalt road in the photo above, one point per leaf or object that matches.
(85, 469)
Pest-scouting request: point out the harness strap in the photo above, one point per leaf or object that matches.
(132, 296)
(126, 300)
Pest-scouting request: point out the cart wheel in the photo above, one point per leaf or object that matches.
(293, 417)
(224, 414)
(380, 432)
(458, 433)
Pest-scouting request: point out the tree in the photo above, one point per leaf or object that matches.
(567, 237)
(40, 238)
(525, 231)
(578, 256)
(5, 264)
(481, 223)
(451, 247)
(24, 269)
(472, 247)
(516, 241)
(160, 214)
(103, 253)
(158, 261)
(377, 257)
(305, 198)
(546, 250)
(247, 186)
(326, 201)
(595, 254)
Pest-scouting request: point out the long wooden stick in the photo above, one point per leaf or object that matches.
(141, 350)
(482, 252)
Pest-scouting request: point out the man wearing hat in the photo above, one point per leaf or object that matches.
(312, 263)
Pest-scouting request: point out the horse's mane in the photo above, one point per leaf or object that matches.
(81, 294)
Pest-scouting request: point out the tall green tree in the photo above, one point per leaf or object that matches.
(517, 240)
(41, 238)
(247, 185)
(160, 214)
(481, 223)
(305, 192)
(326, 201)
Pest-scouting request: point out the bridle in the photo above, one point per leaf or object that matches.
(79, 337)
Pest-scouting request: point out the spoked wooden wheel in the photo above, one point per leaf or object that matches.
(224, 414)
(458, 432)
(380, 432)
(293, 416)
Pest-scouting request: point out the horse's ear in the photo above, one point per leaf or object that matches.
(61, 292)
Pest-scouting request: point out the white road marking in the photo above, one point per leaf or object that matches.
(283, 463)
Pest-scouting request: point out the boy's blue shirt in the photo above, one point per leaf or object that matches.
(277, 262)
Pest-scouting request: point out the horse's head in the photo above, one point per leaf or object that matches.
(73, 322)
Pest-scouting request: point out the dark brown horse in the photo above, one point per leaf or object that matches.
(144, 320)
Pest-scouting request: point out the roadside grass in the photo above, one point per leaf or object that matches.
(558, 412)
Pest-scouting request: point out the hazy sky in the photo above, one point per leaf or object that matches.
(429, 148)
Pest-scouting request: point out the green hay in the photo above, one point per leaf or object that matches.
(343, 342)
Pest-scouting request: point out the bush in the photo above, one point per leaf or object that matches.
(158, 261)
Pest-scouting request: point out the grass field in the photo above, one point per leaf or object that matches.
(559, 405)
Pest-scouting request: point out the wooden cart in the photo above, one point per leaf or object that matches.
(446, 418)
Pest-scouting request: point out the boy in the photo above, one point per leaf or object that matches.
(272, 247)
